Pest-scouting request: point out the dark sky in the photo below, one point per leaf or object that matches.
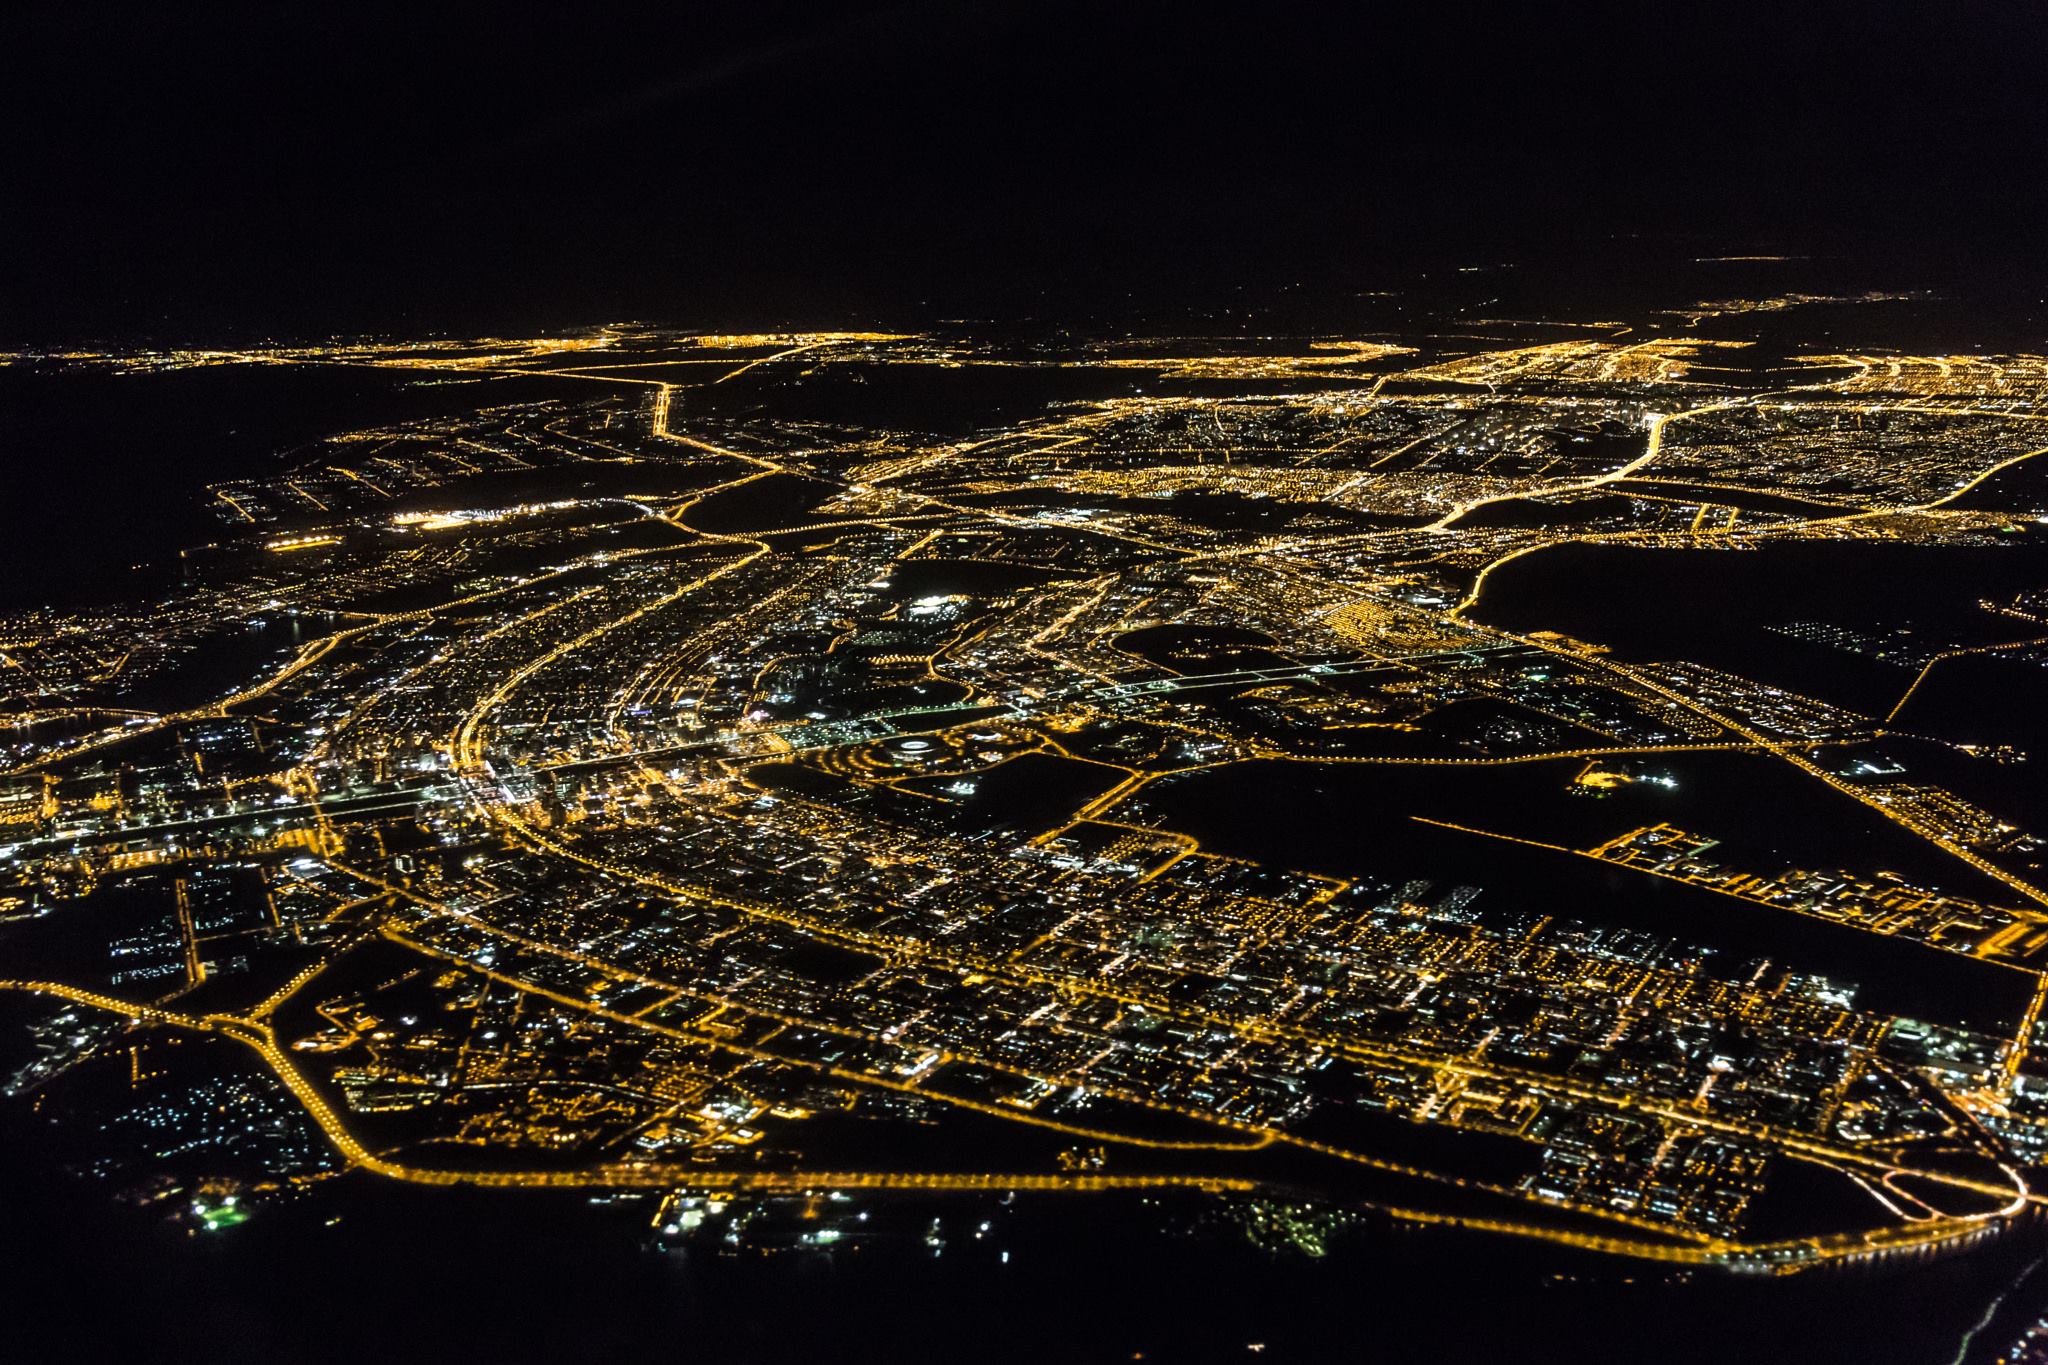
(188, 170)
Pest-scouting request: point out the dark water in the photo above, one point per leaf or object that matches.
(1356, 821)
(409, 1274)
(109, 471)
(1713, 607)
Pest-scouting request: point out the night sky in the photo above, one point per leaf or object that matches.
(186, 171)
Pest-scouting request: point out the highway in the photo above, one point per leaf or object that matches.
(1773, 1257)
